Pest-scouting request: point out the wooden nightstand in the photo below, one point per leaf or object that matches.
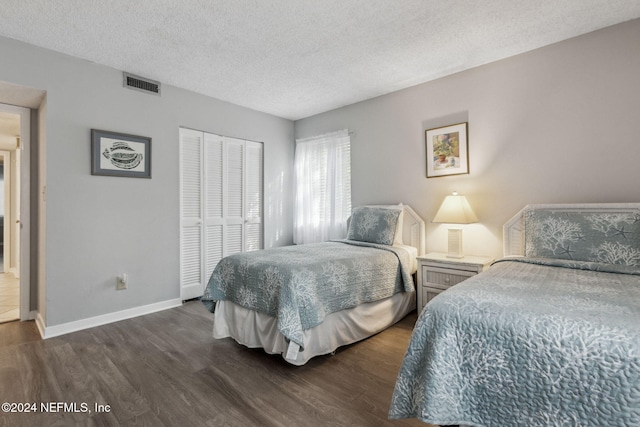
(437, 273)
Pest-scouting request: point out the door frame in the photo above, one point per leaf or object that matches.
(24, 208)
(6, 221)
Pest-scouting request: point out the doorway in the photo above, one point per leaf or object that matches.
(9, 283)
(14, 298)
(9, 276)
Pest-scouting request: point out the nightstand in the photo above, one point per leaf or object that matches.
(437, 273)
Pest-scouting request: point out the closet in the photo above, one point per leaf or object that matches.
(220, 203)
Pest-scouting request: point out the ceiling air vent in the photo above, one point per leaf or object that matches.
(139, 83)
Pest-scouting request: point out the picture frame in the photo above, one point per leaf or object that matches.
(120, 154)
(447, 150)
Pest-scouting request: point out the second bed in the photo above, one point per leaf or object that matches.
(308, 300)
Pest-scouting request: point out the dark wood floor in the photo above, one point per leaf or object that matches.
(165, 369)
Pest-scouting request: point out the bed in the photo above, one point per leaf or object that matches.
(307, 300)
(547, 336)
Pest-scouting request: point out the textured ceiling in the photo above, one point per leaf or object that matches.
(296, 58)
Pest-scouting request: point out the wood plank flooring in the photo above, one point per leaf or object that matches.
(165, 369)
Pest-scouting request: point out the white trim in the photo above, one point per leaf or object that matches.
(24, 206)
(40, 324)
(91, 322)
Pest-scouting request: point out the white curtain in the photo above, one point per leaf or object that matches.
(323, 187)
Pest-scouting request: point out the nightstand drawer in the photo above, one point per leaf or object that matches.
(429, 293)
(442, 278)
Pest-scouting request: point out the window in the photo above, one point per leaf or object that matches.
(323, 187)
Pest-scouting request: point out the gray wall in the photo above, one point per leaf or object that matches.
(558, 124)
(100, 227)
(554, 125)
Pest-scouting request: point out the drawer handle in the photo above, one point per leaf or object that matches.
(447, 279)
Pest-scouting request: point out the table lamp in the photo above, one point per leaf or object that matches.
(455, 209)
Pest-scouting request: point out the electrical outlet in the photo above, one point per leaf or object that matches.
(121, 282)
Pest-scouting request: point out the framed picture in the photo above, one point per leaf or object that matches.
(447, 150)
(119, 154)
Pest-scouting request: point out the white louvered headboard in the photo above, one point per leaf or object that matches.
(413, 230)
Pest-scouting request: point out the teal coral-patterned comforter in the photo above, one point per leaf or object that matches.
(302, 284)
(530, 342)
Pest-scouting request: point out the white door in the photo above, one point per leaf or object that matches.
(253, 173)
(214, 225)
(221, 203)
(234, 187)
(191, 146)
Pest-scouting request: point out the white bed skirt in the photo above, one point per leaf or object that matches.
(257, 330)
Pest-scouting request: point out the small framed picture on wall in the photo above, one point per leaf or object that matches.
(119, 154)
(447, 150)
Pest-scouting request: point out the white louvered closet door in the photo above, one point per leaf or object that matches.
(214, 202)
(191, 268)
(230, 190)
(235, 190)
(253, 196)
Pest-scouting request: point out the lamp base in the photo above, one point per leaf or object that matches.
(455, 243)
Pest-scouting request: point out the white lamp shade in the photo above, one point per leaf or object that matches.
(455, 210)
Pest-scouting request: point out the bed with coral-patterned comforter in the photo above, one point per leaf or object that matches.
(301, 285)
(536, 341)
(527, 344)
(307, 300)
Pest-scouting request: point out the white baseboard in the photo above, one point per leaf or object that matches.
(40, 324)
(78, 325)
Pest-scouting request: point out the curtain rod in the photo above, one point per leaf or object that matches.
(326, 135)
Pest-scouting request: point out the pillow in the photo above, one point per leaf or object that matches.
(374, 225)
(397, 240)
(612, 238)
